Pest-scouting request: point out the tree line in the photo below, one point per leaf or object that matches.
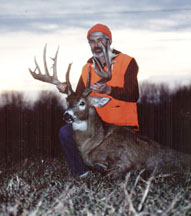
(165, 115)
(30, 129)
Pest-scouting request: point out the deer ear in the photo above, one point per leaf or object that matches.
(98, 101)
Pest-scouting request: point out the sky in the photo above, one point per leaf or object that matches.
(156, 33)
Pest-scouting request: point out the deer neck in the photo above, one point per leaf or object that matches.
(95, 124)
(89, 129)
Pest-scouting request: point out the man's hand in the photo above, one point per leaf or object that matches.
(101, 88)
(62, 87)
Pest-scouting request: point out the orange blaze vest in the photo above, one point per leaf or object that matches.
(116, 112)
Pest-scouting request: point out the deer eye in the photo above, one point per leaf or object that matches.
(82, 103)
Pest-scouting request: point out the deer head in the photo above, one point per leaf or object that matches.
(81, 107)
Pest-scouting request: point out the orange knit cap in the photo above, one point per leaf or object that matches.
(100, 28)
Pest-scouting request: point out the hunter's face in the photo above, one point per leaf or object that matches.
(95, 45)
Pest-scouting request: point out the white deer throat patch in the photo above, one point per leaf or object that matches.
(80, 125)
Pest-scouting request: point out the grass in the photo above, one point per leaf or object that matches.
(43, 186)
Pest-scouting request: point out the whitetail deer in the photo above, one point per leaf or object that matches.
(117, 149)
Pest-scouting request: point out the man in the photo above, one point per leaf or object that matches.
(122, 88)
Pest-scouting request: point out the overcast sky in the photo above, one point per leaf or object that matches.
(156, 33)
(41, 16)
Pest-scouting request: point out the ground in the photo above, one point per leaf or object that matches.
(43, 186)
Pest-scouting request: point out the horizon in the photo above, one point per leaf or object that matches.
(31, 96)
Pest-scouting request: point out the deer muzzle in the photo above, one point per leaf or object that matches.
(68, 117)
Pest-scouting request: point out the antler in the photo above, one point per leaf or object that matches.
(106, 75)
(69, 86)
(47, 77)
(87, 90)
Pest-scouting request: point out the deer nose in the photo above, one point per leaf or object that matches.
(68, 118)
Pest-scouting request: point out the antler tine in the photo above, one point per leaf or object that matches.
(55, 64)
(70, 91)
(100, 72)
(44, 61)
(87, 90)
(108, 55)
(46, 77)
(37, 68)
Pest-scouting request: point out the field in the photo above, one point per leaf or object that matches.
(43, 186)
(34, 179)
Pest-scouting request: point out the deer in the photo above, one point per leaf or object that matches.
(116, 149)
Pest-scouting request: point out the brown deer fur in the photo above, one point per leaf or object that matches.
(115, 147)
